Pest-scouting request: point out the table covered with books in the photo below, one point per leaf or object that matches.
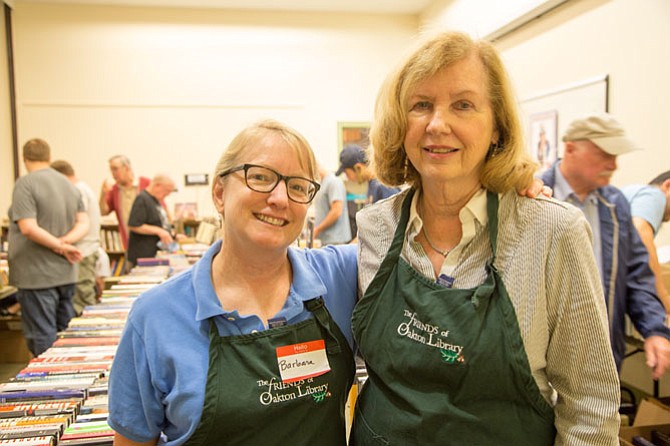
(60, 397)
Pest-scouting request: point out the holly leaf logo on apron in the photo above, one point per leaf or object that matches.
(451, 357)
(319, 396)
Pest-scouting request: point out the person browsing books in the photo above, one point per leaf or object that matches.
(592, 145)
(119, 197)
(650, 208)
(482, 319)
(253, 344)
(46, 218)
(148, 222)
(85, 289)
(354, 164)
(331, 216)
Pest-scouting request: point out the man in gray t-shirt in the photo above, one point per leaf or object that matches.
(331, 216)
(46, 218)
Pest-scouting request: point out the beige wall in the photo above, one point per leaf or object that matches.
(627, 39)
(6, 158)
(583, 39)
(171, 87)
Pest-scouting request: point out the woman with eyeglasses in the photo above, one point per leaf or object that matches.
(253, 344)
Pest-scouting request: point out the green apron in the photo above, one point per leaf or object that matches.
(246, 402)
(445, 366)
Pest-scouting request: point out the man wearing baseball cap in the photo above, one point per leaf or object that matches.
(582, 178)
(351, 156)
(354, 164)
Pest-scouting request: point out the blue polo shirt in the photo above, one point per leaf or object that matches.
(646, 202)
(157, 382)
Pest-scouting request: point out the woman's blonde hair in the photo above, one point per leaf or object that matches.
(509, 168)
(233, 155)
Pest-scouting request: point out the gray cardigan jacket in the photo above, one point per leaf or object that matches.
(547, 265)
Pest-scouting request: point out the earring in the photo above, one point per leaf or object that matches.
(494, 149)
(405, 167)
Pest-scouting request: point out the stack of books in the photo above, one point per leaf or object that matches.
(60, 397)
(37, 417)
(194, 251)
(111, 239)
(153, 261)
(117, 266)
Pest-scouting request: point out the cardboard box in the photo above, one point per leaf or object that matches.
(13, 347)
(11, 323)
(651, 412)
(626, 434)
(665, 273)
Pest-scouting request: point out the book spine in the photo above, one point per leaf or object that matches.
(38, 441)
(641, 441)
(659, 438)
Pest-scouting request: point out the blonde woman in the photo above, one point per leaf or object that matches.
(482, 320)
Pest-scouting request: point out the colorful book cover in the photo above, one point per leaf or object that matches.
(37, 441)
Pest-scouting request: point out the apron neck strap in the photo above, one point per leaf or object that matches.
(399, 236)
(492, 212)
(213, 331)
(491, 209)
(318, 308)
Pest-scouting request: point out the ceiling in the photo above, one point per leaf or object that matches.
(411, 7)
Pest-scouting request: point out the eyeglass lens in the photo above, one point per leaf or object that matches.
(262, 179)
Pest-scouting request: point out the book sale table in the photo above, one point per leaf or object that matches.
(60, 397)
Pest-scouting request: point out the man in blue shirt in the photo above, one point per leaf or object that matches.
(354, 164)
(582, 178)
(650, 207)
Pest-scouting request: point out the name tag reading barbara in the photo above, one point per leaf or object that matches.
(301, 361)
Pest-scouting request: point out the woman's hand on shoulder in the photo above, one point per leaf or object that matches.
(536, 188)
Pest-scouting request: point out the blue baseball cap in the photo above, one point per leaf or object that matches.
(350, 156)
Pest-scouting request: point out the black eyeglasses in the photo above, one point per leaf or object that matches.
(264, 179)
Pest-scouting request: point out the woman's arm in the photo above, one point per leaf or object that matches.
(580, 363)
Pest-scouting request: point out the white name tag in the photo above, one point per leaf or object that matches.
(302, 361)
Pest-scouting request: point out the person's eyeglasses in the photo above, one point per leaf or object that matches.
(264, 179)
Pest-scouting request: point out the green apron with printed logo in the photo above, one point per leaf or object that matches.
(445, 366)
(246, 402)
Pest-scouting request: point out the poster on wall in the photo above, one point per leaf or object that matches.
(543, 140)
(546, 115)
(352, 133)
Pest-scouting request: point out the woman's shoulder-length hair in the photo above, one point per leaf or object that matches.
(510, 168)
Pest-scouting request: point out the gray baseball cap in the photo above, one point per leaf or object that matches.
(602, 130)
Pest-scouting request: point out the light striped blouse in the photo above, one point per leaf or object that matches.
(547, 264)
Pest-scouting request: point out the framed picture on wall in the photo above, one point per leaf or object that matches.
(569, 101)
(542, 138)
(185, 211)
(352, 133)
